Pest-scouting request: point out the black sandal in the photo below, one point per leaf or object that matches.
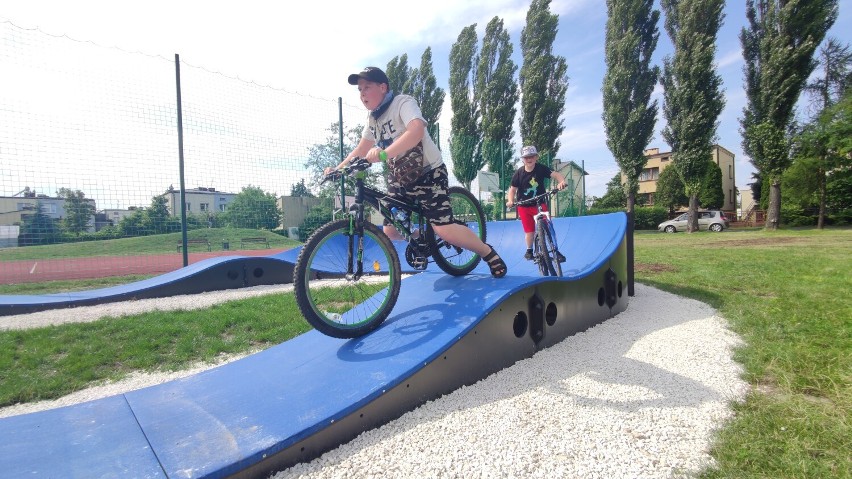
(495, 263)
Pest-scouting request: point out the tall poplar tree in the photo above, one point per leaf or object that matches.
(778, 46)
(465, 138)
(543, 81)
(424, 88)
(399, 74)
(693, 97)
(498, 95)
(628, 114)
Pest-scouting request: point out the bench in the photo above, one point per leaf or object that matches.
(258, 240)
(191, 242)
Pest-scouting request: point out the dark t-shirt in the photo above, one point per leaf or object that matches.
(530, 183)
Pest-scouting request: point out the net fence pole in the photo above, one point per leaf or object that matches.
(180, 164)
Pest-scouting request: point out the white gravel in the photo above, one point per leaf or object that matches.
(638, 396)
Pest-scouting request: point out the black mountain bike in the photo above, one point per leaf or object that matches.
(347, 275)
(545, 250)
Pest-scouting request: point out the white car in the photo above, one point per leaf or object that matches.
(713, 220)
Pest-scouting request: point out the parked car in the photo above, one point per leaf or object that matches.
(713, 220)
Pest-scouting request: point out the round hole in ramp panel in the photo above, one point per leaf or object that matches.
(601, 296)
(550, 314)
(619, 288)
(233, 274)
(258, 272)
(519, 324)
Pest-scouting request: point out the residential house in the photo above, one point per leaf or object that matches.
(657, 162)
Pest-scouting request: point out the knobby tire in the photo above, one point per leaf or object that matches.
(466, 209)
(331, 300)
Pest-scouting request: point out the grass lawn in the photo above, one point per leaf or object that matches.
(786, 293)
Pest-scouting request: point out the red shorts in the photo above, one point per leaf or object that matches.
(526, 214)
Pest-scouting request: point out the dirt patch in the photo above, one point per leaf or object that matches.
(653, 268)
(766, 241)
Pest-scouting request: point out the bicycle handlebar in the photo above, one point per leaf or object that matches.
(355, 165)
(534, 199)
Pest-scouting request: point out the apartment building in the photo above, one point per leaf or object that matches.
(659, 161)
(14, 209)
(199, 201)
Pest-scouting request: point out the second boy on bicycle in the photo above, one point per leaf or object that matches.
(528, 182)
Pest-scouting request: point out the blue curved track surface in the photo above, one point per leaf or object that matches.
(294, 401)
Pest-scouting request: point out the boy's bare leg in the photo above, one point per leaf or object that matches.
(463, 237)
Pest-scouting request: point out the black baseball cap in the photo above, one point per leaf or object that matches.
(373, 74)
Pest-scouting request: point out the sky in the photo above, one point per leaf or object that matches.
(310, 47)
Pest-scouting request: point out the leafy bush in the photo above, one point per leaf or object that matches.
(793, 215)
(644, 218)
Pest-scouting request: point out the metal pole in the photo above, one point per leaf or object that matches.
(502, 171)
(340, 124)
(583, 175)
(180, 164)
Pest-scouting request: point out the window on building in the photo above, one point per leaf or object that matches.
(649, 174)
(665, 158)
(204, 206)
(188, 207)
(222, 208)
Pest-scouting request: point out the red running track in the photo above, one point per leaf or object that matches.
(37, 271)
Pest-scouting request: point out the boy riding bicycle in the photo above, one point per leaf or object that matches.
(396, 130)
(528, 182)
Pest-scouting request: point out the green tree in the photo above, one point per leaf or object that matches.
(79, 211)
(465, 139)
(498, 95)
(812, 143)
(424, 88)
(693, 98)
(300, 189)
(629, 116)
(614, 197)
(778, 47)
(670, 192)
(330, 154)
(254, 208)
(399, 74)
(38, 228)
(543, 81)
(711, 195)
(159, 218)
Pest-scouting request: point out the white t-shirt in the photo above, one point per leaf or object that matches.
(393, 123)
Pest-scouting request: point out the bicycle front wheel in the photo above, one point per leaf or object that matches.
(468, 212)
(333, 296)
(546, 250)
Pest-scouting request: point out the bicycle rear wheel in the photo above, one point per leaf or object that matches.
(335, 301)
(546, 250)
(466, 211)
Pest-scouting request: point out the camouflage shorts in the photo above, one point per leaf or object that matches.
(430, 191)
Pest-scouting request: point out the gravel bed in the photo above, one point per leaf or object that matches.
(637, 396)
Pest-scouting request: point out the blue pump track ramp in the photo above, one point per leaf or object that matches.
(294, 401)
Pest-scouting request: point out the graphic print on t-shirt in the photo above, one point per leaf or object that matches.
(530, 192)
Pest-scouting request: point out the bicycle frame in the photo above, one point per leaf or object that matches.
(541, 216)
(383, 204)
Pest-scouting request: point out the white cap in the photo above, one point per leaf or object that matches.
(528, 151)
